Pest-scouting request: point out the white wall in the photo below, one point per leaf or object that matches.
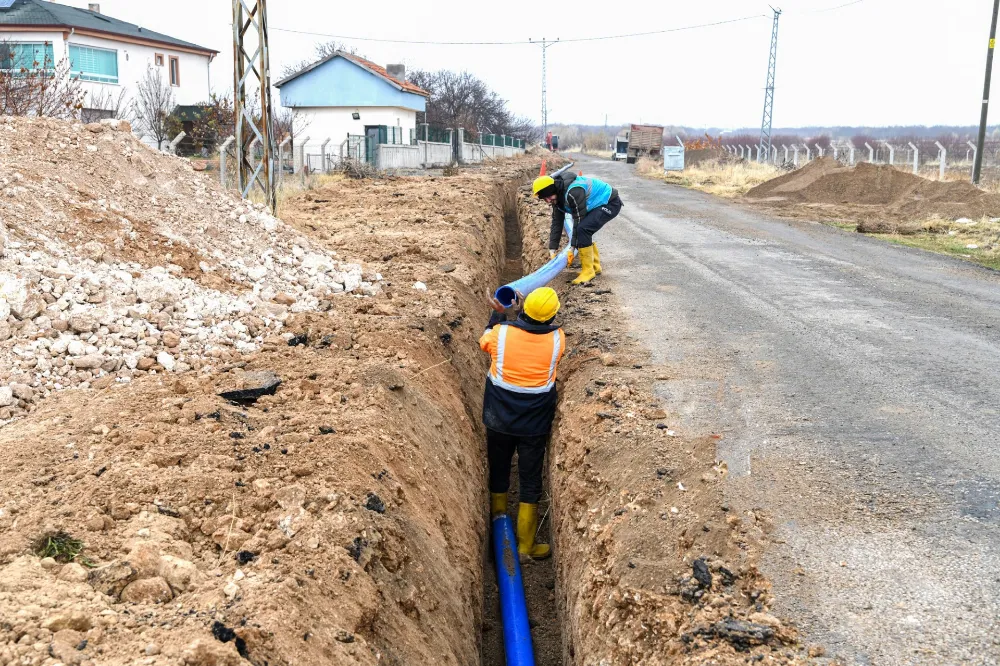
(335, 123)
(133, 59)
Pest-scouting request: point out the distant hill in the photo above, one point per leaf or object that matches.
(843, 131)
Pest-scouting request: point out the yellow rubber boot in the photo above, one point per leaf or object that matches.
(587, 262)
(597, 260)
(498, 504)
(527, 525)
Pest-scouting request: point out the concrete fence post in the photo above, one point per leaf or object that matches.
(871, 153)
(223, 158)
(795, 155)
(944, 159)
(749, 152)
(892, 152)
(916, 157)
(177, 140)
(833, 147)
(774, 154)
(741, 151)
(281, 159)
(808, 152)
(461, 144)
(322, 156)
(785, 148)
(819, 150)
(973, 147)
(304, 165)
(850, 159)
(298, 168)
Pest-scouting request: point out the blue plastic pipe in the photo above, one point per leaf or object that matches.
(543, 275)
(513, 609)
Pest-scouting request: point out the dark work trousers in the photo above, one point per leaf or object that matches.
(583, 233)
(500, 450)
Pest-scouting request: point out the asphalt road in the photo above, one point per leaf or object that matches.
(857, 385)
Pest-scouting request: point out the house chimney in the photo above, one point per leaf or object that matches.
(94, 7)
(396, 71)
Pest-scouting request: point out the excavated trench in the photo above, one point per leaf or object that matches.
(539, 577)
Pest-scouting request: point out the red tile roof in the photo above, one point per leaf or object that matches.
(380, 71)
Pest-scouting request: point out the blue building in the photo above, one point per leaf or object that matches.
(345, 95)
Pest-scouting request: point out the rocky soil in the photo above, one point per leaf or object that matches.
(117, 261)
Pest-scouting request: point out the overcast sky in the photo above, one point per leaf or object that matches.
(876, 62)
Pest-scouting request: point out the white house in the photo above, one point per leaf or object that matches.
(107, 55)
(345, 94)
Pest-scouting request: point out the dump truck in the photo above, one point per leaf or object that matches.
(644, 141)
(552, 141)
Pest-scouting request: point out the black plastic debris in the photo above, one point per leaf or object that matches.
(356, 548)
(262, 383)
(245, 556)
(375, 503)
(701, 573)
(224, 634)
(327, 430)
(300, 339)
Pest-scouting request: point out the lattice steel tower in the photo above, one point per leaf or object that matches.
(545, 107)
(252, 99)
(765, 126)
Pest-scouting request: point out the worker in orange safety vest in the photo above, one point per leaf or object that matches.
(519, 405)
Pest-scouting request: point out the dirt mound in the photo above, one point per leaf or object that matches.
(895, 193)
(798, 180)
(117, 260)
(340, 520)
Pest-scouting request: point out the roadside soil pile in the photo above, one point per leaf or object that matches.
(873, 191)
(653, 567)
(116, 261)
(339, 520)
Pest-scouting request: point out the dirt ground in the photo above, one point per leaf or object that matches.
(340, 520)
(343, 517)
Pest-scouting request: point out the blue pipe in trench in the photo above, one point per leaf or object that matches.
(513, 609)
(543, 275)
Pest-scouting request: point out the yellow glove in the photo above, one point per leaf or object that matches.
(569, 257)
(552, 254)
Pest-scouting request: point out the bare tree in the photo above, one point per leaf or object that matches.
(106, 104)
(154, 102)
(40, 87)
(323, 51)
(459, 99)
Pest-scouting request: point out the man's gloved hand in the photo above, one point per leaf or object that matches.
(569, 257)
(552, 254)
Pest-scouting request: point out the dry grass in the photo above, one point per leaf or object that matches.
(975, 240)
(724, 179)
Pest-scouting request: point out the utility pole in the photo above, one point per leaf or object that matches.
(977, 167)
(545, 107)
(252, 79)
(765, 125)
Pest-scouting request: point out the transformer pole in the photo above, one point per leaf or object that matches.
(252, 83)
(545, 107)
(765, 125)
(977, 167)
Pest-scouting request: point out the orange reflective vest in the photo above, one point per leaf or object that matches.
(520, 396)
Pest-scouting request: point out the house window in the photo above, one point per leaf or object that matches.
(175, 71)
(94, 115)
(26, 55)
(158, 59)
(90, 64)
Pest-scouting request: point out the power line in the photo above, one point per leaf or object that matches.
(518, 42)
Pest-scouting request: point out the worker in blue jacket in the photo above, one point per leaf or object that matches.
(592, 204)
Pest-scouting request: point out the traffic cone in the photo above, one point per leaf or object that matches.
(581, 174)
(542, 172)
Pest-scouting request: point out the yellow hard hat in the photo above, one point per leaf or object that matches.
(542, 304)
(541, 183)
